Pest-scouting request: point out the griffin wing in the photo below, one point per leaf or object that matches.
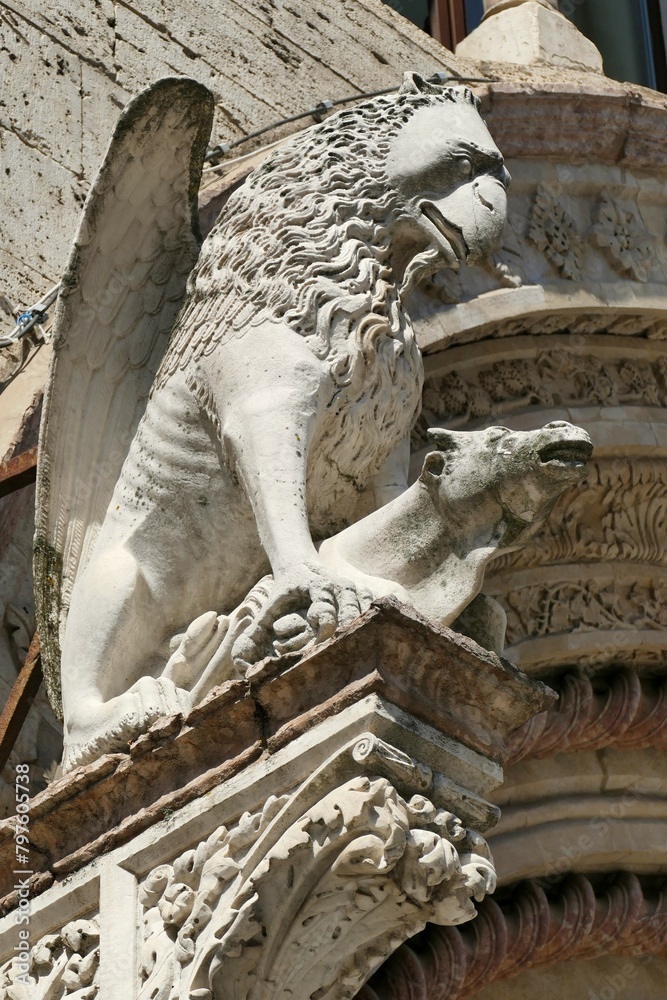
(123, 287)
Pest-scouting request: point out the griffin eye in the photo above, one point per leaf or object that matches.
(466, 166)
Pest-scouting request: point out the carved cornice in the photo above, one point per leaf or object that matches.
(622, 711)
(535, 928)
(597, 121)
(312, 892)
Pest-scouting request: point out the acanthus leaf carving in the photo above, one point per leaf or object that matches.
(310, 894)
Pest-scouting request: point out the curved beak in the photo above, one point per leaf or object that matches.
(471, 227)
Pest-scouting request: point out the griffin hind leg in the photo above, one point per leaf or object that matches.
(114, 627)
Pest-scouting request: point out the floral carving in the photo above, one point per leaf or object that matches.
(555, 377)
(311, 893)
(623, 237)
(553, 231)
(625, 711)
(61, 965)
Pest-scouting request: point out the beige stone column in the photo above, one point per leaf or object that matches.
(493, 6)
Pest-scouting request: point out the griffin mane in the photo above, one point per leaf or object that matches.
(320, 207)
(306, 241)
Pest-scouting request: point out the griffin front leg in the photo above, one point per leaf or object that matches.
(270, 395)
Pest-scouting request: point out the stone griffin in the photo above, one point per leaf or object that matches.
(212, 414)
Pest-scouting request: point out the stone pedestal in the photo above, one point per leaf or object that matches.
(530, 33)
(283, 839)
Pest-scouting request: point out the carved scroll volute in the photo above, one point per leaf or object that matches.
(323, 896)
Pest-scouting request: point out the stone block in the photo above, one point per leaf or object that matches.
(530, 34)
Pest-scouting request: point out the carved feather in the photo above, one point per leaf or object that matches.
(124, 285)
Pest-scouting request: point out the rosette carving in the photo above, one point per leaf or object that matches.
(310, 894)
(624, 238)
(553, 231)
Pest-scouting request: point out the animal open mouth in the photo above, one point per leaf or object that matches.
(566, 454)
(451, 233)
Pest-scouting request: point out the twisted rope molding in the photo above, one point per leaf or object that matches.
(534, 928)
(624, 711)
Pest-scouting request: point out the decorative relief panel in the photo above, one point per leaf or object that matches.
(61, 965)
(555, 377)
(618, 512)
(585, 606)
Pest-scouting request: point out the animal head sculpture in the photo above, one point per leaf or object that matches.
(523, 472)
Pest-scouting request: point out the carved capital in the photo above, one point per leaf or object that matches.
(310, 894)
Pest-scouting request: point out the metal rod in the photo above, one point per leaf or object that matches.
(326, 105)
(18, 471)
(20, 700)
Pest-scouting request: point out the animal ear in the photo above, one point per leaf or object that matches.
(433, 467)
(414, 83)
(443, 439)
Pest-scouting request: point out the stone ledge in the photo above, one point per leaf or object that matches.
(438, 677)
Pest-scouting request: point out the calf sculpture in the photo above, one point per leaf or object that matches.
(194, 440)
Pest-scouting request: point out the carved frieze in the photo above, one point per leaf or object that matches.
(61, 965)
(618, 231)
(554, 232)
(555, 376)
(584, 605)
(312, 895)
(618, 512)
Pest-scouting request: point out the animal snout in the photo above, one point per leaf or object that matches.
(557, 423)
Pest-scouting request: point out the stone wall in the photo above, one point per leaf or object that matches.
(67, 72)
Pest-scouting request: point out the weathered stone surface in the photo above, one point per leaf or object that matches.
(377, 654)
(217, 856)
(95, 57)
